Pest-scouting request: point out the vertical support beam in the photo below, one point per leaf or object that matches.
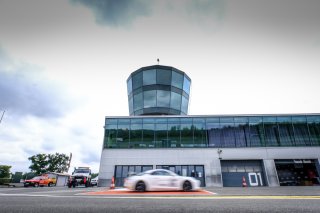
(213, 173)
(271, 173)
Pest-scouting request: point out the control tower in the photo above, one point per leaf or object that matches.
(158, 90)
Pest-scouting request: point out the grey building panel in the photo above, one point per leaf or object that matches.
(201, 156)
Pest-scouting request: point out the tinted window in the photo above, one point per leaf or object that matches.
(163, 98)
(149, 77)
(137, 101)
(163, 77)
(149, 99)
(173, 135)
(161, 135)
(131, 105)
(175, 101)
(129, 86)
(123, 136)
(186, 85)
(177, 80)
(137, 80)
(184, 105)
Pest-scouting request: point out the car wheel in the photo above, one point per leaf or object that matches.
(141, 186)
(49, 184)
(187, 187)
(36, 185)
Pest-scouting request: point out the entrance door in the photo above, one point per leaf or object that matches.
(236, 172)
(302, 172)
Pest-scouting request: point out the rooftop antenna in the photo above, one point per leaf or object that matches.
(2, 116)
(158, 60)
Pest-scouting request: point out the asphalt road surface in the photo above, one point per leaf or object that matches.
(60, 199)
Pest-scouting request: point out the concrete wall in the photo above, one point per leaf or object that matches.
(208, 157)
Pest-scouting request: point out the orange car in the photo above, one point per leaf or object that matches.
(43, 180)
(47, 181)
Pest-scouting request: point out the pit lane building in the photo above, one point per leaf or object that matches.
(219, 150)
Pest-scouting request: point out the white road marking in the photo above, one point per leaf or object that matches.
(173, 197)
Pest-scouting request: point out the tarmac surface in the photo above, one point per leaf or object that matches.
(210, 199)
(217, 191)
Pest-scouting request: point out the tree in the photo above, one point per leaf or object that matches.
(58, 162)
(39, 163)
(5, 171)
(42, 163)
(93, 175)
(28, 175)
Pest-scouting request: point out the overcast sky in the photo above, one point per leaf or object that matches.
(64, 64)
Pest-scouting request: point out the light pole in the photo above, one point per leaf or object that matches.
(219, 153)
(2, 116)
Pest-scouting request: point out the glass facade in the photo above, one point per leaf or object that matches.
(212, 131)
(158, 90)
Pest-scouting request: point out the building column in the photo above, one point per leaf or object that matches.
(213, 173)
(271, 173)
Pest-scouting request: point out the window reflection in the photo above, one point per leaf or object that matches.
(123, 136)
(137, 101)
(177, 80)
(164, 77)
(241, 131)
(271, 131)
(129, 86)
(256, 133)
(211, 132)
(148, 136)
(175, 101)
(149, 77)
(214, 134)
(286, 131)
(184, 105)
(186, 85)
(187, 135)
(136, 135)
(110, 136)
(137, 80)
(300, 128)
(173, 135)
(314, 128)
(227, 136)
(199, 133)
(130, 105)
(161, 135)
(149, 98)
(163, 98)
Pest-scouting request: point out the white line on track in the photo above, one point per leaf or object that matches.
(174, 197)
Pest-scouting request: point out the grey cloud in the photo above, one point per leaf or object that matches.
(91, 157)
(48, 145)
(29, 151)
(116, 12)
(22, 94)
(206, 8)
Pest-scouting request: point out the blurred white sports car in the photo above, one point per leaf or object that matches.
(161, 180)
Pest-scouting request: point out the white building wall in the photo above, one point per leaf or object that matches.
(208, 157)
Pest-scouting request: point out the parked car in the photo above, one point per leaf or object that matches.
(40, 181)
(161, 180)
(81, 176)
(94, 181)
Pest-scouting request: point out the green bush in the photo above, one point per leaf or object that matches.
(4, 181)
